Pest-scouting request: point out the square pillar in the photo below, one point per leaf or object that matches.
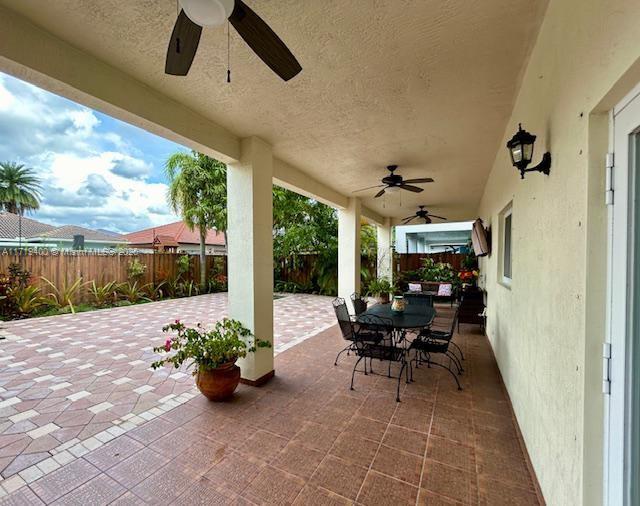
(385, 250)
(250, 252)
(349, 249)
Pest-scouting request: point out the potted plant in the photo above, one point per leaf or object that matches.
(380, 288)
(213, 353)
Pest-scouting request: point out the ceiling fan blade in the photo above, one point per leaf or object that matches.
(380, 193)
(182, 46)
(368, 188)
(409, 217)
(264, 41)
(435, 216)
(414, 189)
(408, 220)
(419, 180)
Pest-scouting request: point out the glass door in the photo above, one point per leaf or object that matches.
(622, 418)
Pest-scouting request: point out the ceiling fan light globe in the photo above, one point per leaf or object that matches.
(393, 189)
(208, 12)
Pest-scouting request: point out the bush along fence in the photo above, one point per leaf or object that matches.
(65, 267)
(44, 283)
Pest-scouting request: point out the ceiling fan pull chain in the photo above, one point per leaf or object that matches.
(228, 52)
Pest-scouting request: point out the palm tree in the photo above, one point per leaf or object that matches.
(19, 188)
(198, 192)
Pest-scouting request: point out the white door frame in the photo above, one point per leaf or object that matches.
(624, 127)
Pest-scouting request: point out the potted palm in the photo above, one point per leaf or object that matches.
(380, 288)
(212, 353)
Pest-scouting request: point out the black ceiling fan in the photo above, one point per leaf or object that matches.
(394, 181)
(196, 14)
(423, 214)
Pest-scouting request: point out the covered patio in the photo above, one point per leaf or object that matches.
(304, 438)
(438, 89)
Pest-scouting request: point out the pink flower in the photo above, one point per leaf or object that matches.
(177, 322)
(167, 345)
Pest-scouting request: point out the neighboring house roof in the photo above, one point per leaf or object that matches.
(68, 231)
(166, 241)
(10, 226)
(178, 232)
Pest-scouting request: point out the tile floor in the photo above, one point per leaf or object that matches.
(304, 439)
(71, 382)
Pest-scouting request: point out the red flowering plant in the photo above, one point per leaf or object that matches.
(209, 349)
(468, 276)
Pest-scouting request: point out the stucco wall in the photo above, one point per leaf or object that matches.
(547, 328)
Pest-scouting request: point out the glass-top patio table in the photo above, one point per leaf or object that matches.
(414, 316)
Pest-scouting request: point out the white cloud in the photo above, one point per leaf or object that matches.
(91, 176)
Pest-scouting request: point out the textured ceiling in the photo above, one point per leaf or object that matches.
(425, 84)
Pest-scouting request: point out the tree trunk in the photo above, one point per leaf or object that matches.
(203, 259)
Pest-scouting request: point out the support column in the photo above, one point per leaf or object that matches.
(385, 250)
(250, 252)
(349, 249)
(412, 243)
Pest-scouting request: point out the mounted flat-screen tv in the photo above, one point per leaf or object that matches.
(479, 239)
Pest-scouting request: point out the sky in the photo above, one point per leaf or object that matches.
(96, 171)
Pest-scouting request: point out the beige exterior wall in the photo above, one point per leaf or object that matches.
(547, 328)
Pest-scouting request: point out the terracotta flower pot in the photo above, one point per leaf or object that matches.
(219, 384)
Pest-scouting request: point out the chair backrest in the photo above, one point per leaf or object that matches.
(373, 325)
(359, 304)
(419, 299)
(453, 321)
(344, 320)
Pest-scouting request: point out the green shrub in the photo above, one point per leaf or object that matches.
(104, 295)
(26, 299)
(135, 270)
(379, 286)
(63, 296)
(133, 292)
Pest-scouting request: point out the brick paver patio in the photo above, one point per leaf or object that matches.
(74, 381)
(304, 438)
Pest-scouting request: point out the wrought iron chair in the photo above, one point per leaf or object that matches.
(431, 342)
(383, 348)
(348, 327)
(419, 299)
(359, 303)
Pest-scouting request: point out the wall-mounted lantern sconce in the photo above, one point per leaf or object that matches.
(521, 151)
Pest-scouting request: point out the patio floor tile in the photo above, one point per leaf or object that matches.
(381, 490)
(303, 438)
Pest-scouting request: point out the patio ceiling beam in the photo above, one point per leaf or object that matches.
(37, 56)
(289, 177)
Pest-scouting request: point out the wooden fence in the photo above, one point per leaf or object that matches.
(68, 266)
(413, 261)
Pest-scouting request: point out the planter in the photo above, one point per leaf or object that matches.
(383, 298)
(219, 384)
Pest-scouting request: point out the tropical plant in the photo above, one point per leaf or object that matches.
(155, 292)
(26, 299)
(438, 271)
(183, 265)
(133, 293)
(135, 270)
(19, 188)
(104, 295)
(64, 295)
(11, 285)
(206, 349)
(188, 289)
(379, 286)
(198, 192)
